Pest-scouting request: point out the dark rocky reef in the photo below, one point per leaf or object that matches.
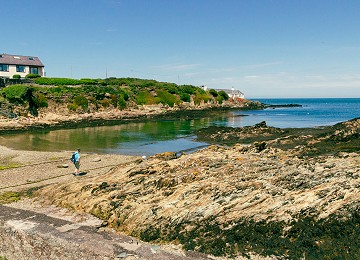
(342, 137)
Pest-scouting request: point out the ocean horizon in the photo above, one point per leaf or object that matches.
(313, 112)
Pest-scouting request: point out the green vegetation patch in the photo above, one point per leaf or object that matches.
(7, 163)
(15, 93)
(116, 92)
(9, 197)
(165, 97)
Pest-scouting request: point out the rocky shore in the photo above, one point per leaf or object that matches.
(58, 116)
(257, 192)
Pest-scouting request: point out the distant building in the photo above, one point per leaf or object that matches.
(232, 93)
(11, 65)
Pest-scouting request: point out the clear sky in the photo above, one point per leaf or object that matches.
(265, 48)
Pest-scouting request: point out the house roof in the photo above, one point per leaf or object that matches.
(20, 60)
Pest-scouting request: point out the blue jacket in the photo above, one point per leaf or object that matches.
(77, 156)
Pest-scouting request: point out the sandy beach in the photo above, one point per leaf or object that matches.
(22, 170)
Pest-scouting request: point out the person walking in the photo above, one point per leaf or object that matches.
(76, 161)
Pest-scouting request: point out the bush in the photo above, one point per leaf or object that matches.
(40, 100)
(201, 96)
(81, 101)
(114, 100)
(72, 107)
(15, 93)
(57, 81)
(105, 103)
(122, 102)
(145, 98)
(32, 76)
(223, 94)
(213, 92)
(185, 97)
(165, 97)
(16, 76)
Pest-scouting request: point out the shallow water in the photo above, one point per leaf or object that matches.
(151, 137)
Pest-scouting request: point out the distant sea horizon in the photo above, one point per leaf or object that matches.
(312, 113)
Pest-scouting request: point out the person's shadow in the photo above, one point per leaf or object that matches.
(81, 173)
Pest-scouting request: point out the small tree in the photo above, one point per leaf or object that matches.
(213, 92)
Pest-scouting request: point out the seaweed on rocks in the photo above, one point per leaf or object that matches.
(306, 237)
(342, 137)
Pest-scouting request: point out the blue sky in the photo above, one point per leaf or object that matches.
(265, 48)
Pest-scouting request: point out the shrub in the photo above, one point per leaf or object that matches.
(114, 100)
(16, 76)
(223, 94)
(189, 89)
(213, 92)
(15, 93)
(88, 81)
(165, 97)
(32, 76)
(122, 102)
(81, 101)
(145, 98)
(72, 107)
(40, 100)
(219, 99)
(201, 96)
(185, 97)
(57, 81)
(105, 103)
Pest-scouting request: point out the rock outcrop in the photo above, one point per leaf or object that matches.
(227, 201)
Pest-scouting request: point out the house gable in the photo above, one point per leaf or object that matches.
(22, 65)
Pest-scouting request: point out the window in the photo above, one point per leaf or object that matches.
(34, 71)
(20, 68)
(4, 67)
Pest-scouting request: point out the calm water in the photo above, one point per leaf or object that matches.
(176, 135)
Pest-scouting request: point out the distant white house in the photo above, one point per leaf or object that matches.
(20, 65)
(232, 93)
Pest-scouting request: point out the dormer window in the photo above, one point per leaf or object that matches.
(17, 57)
(31, 58)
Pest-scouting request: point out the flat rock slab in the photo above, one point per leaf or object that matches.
(26, 234)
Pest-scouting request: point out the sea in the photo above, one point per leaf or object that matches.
(151, 137)
(312, 113)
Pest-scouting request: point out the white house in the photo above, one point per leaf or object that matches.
(232, 93)
(11, 65)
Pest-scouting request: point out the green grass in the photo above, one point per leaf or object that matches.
(7, 163)
(12, 196)
(9, 197)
